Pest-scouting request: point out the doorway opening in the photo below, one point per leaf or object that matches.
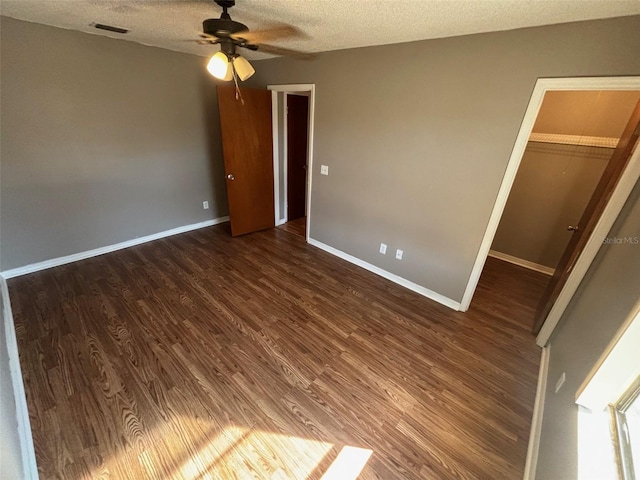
(571, 170)
(292, 119)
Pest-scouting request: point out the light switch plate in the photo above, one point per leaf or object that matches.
(324, 169)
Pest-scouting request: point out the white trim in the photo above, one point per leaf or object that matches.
(311, 88)
(521, 262)
(27, 452)
(536, 420)
(312, 116)
(425, 292)
(580, 140)
(276, 160)
(292, 87)
(55, 262)
(616, 369)
(541, 87)
(503, 194)
(602, 228)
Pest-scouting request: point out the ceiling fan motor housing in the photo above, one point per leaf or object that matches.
(222, 27)
(225, 32)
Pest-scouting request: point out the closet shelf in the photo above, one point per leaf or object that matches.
(603, 142)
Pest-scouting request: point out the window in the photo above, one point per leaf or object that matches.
(626, 431)
(610, 389)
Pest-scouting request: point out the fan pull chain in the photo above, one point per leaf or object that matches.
(235, 79)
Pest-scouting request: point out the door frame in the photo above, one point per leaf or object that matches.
(617, 200)
(309, 88)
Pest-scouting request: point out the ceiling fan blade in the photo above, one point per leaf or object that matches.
(285, 52)
(199, 41)
(268, 34)
(204, 39)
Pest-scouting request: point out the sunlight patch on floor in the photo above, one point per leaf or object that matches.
(348, 464)
(198, 449)
(237, 452)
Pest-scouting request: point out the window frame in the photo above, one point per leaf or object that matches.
(620, 431)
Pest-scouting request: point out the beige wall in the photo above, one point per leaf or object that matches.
(550, 192)
(604, 300)
(102, 141)
(418, 136)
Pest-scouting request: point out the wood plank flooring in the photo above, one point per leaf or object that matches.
(296, 227)
(201, 357)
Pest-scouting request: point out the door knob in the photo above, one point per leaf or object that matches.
(574, 228)
(231, 177)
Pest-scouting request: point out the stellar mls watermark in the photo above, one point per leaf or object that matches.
(621, 240)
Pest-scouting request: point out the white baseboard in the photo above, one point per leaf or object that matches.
(55, 262)
(536, 420)
(388, 275)
(29, 465)
(522, 263)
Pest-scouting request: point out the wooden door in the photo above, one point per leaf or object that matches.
(247, 145)
(297, 134)
(610, 177)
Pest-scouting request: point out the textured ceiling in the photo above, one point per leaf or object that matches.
(328, 24)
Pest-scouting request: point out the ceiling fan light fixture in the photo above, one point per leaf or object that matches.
(220, 67)
(231, 36)
(244, 70)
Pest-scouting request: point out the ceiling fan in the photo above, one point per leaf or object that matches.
(227, 64)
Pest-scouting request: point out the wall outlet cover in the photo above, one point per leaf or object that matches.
(324, 169)
(205, 205)
(560, 382)
(399, 254)
(383, 248)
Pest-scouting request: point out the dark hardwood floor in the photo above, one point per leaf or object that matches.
(297, 226)
(204, 356)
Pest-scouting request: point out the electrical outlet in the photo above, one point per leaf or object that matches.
(399, 254)
(324, 170)
(383, 248)
(560, 382)
(205, 205)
